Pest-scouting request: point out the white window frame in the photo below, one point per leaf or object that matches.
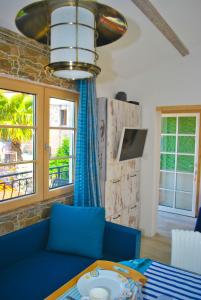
(194, 192)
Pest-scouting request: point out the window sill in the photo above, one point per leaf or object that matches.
(24, 203)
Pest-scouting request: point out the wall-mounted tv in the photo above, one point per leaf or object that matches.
(131, 144)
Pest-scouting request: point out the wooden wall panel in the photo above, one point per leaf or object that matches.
(119, 180)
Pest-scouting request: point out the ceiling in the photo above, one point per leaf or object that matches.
(143, 46)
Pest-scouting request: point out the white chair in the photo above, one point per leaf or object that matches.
(186, 250)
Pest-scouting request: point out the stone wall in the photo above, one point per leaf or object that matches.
(23, 58)
(26, 216)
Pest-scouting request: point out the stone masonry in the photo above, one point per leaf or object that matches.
(28, 215)
(23, 58)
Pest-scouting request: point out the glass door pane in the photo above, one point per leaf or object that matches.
(178, 160)
(61, 142)
(166, 198)
(183, 201)
(17, 144)
(167, 180)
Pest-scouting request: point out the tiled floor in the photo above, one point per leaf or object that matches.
(159, 246)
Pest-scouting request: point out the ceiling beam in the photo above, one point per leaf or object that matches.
(154, 16)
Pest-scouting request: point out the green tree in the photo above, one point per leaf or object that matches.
(16, 110)
(62, 151)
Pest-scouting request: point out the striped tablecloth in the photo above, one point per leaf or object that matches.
(170, 281)
(162, 280)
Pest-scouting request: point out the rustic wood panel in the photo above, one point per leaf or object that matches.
(102, 141)
(119, 180)
(113, 197)
(133, 215)
(120, 114)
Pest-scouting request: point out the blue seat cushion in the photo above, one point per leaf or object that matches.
(38, 276)
(77, 230)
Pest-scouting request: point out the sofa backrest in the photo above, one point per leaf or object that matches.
(22, 243)
(120, 243)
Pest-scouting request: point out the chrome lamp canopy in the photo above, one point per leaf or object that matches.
(72, 29)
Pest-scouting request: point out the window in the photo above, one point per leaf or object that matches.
(17, 144)
(60, 121)
(37, 142)
(63, 117)
(178, 162)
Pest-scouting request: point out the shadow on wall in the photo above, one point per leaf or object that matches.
(106, 53)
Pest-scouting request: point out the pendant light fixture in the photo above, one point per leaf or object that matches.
(72, 29)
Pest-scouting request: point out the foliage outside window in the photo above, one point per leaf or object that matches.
(24, 154)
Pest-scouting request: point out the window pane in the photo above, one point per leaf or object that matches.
(166, 198)
(186, 144)
(167, 180)
(184, 182)
(168, 124)
(16, 108)
(16, 144)
(185, 163)
(61, 142)
(16, 181)
(167, 162)
(184, 201)
(168, 143)
(60, 173)
(187, 125)
(61, 113)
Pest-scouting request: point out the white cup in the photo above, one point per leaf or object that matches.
(97, 294)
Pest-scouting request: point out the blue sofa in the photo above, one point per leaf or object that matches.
(29, 272)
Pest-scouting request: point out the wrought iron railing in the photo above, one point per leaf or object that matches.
(15, 185)
(58, 176)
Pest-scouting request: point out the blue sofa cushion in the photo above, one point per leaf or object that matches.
(77, 230)
(38, 276)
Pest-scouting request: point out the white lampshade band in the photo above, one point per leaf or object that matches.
(72, 36)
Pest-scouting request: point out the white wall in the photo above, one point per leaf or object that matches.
(175, 82)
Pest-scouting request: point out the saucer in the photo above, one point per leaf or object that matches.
(112, 281)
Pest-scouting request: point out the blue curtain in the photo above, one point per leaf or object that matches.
(87, 184)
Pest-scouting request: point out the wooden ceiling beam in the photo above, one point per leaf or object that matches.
(154, 16)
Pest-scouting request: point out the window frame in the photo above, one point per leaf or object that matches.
(64, 95)
(41, 92)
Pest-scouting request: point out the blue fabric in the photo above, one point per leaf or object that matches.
(171, 282)
(87, 183)
(121, 243)
(29, 272)
(41, 274)
(77, 230)
(198, 222)
(23, 243)
(140, 265)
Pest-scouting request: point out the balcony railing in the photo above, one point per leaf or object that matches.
(18, 184)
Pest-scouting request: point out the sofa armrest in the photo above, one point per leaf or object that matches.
(22, 243)
(121, 243)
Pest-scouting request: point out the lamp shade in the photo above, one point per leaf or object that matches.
(72, 41)
(72, 29)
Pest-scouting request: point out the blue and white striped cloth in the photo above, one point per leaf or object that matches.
(172, 282)
(162, 280)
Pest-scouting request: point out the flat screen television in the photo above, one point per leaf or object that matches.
(131, 144)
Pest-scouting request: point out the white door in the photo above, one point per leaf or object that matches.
(178, 163)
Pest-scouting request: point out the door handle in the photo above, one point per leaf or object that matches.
(48, 149)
